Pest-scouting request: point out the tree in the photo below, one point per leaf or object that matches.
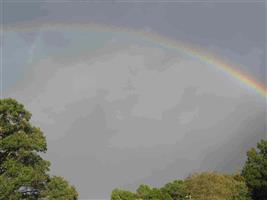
(216, 186)
(23, 172)
(118, 194)
(144, 192)
(175, 189)
(255, 171)
(59, 189)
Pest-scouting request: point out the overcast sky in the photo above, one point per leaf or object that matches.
(119, 111)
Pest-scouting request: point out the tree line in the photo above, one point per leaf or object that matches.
(250, 184)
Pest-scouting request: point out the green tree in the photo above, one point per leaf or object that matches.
(144, 192)
(175, 189)
(255, 171)
(216, 186)
(119, 194)
(59, 189)
(23, 172)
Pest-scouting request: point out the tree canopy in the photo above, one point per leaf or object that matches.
(250, 184)
(199, 186)
(216, 186)
(255, 171)
(176, 189)
(23, 172)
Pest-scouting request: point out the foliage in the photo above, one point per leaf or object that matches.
(144, 192)
(147, 193)
(203, 186)
(255, 171)
(59, 189)
(216, 186)
(176, 190)
(118, 194)
(23, 172)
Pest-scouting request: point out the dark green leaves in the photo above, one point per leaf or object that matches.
(255, 171)
(23, 172)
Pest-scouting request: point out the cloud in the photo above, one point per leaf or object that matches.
(131, 113)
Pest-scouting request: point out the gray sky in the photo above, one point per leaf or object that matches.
(119, 111)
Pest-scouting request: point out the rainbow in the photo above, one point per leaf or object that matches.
(191, 50)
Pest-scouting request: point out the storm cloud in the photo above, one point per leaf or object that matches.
(128, 114)
(120, 111)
